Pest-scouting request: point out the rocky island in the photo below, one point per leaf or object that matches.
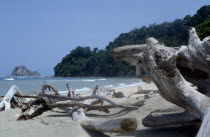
(23, 71)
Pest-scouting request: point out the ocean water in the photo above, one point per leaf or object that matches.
(79, 84)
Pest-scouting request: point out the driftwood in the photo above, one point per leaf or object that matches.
(169, 116)
(78, 106)
(86, 99)
(39, 105)
(33, 109)
(141, 91)
(115, 126)
(25, 96)
(118, 95)
(87, 106)
(46, 86)
(46, 102)
(6, 101)
(71, 92)
(170, 69)
(95, 90)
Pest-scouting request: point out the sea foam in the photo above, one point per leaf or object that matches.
(89, 80)
(101, 79)
(85, 89)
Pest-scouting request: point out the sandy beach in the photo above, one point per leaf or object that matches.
(56, 123)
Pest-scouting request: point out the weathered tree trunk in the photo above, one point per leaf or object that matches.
(169, 116)
(169, 68)
(6, 102)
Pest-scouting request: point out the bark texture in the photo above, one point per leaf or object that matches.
(175, 71)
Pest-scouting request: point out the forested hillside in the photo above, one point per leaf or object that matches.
(83, 61)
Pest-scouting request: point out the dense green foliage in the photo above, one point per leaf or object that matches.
(203, 29)
(83, 61)
(171, 33)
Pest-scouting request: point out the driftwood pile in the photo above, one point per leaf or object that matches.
(74, 104)
(182, 75)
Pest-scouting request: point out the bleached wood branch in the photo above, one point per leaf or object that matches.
(76, 106)
(169, 68)
(46, 86)
(115, 125)
(79, 98)
(5, 103)
(89, 107)
(71, 92)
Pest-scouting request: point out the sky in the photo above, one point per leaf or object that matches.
(39, 33)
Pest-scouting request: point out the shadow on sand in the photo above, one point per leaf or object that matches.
(176, 131)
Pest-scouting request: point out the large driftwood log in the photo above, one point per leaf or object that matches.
(169, 116)
(115, 125)
(170, 69)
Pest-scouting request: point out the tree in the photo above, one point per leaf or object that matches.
(82, 61)
(203, 29)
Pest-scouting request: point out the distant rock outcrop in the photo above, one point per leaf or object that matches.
(23, 71)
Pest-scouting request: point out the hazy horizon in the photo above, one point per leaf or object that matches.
(38, 34)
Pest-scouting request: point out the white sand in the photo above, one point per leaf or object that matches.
(58, 124)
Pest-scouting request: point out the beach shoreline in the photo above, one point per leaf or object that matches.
(78, 84)
(56, 123)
